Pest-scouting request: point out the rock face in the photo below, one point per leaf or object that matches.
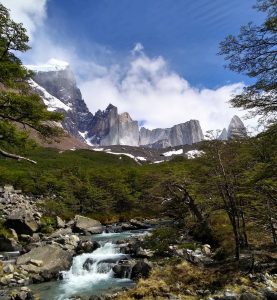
(110, 128)
(236, 128)
(223, 135)
(59, 90)
(182, 134)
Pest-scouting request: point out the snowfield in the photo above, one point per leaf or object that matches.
(50, 101)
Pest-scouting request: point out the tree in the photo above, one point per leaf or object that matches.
(20, 108)
(254, 53)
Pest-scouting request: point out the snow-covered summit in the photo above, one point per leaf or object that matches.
(51, 66)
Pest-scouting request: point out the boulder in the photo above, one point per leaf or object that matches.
(270, 295)
(87, 246)
(22, 222)
(60, 222)
(140, 270)
(138, 224)
(87, 225)
(123, 269)
(61, 232)
(9, 268)
(248, 296)
(9, 245)
(53, 258)
(24, 294)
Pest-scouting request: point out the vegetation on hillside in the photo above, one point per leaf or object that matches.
(20, 108)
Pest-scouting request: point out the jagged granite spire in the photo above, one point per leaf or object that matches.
(223, 135)
(236, 128)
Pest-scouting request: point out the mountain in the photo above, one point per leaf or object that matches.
(236, 128)
(56, 84)
(223, 135)
(186, 133)
(110, 128)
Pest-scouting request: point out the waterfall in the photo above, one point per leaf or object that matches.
(91, 269)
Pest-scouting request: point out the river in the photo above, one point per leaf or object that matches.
(98, 279)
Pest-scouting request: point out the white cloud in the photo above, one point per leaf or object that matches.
(149, 90)
(29, 12)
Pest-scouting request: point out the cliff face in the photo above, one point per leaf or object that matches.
(59, 84)
(236, 128)
(110, 128)
(186, 133)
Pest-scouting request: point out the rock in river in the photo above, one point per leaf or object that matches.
(53, 258)
(87, 225)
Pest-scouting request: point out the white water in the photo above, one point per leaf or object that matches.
(99, 274)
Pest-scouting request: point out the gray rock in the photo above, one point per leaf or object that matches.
(53, 257)
(9, 245)
(248, 296)
(270, 295)
(84, 225)
(87, 246)
(22, 222)
(140, 270)
(60, 222)
(186, 133)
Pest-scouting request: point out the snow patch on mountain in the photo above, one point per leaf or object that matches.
(50, 101)
(173, 152)
(194, 153)
(52, 65)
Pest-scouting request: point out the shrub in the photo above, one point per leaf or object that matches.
(161, 239)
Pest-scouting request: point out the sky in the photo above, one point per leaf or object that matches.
(156, 59)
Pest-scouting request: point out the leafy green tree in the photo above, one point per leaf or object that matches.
(21, 109)
(254, 52)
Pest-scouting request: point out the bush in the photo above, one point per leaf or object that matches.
(161, 239)
(47, 224)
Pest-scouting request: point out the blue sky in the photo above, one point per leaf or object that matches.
(185, 32)
(156, 59)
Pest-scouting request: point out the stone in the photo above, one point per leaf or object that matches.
(87, 246)
(144, 253)
(248, 296)
(9, 268)
(140, 270)
(9, 245)
(84, 225)
(139, 224)
(61, 232)
(53, 257)
(270, 295)
(206, 249)
(14, 234)
(22, 222)
(38, 263)
(60, 222)
(123, 269)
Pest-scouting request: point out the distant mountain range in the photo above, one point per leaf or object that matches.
(56, 84)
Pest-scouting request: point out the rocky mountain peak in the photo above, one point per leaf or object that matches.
(236, 128)
(125, 117)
